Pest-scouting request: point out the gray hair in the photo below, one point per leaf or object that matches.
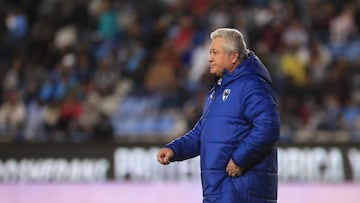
(233, 41)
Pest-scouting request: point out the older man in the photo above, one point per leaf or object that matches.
(237, 133)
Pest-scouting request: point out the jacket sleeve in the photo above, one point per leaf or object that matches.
(188, 145)
(261, 112)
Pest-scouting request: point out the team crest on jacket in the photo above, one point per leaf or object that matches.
(226, 94)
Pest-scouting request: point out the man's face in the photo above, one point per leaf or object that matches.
(218, 58)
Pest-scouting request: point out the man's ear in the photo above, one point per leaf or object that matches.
(234, 57)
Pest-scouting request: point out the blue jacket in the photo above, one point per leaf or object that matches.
(240, 120)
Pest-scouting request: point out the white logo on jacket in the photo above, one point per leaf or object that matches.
(226, 94)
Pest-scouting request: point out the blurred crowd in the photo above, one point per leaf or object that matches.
(97, 70)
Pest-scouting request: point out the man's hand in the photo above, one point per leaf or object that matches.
(233, 170)
(164, 156)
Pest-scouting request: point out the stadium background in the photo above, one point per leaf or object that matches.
(92, 88)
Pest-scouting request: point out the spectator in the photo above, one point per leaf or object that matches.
(34, 124)
(12, 117)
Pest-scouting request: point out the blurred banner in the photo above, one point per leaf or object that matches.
(137, 163)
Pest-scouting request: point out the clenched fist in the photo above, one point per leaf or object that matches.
(164, 155)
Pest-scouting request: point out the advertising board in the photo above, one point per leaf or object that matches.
(116, 162)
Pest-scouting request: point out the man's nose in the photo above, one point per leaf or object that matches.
(210, 58)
